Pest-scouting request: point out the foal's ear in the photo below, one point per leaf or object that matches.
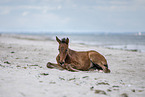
(67, 41)
(58, 40)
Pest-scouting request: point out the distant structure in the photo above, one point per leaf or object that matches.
(139, 33)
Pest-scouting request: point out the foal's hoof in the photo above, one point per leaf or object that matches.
(107, 71)
(49, 65)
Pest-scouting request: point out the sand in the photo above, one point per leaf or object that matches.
(23, 71)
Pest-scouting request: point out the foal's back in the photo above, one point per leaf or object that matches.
(83, 60)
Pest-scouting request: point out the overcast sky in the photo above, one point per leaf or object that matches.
(72, 15)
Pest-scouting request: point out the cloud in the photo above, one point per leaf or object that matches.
(38, 21)
(4, 10)
(25, 13)
(119, 5)
(139, 4)
(33, 8)
(80, 14)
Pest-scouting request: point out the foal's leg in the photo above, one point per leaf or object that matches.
(98, 59)
(70, 68)
(53, 65)
(105, 69)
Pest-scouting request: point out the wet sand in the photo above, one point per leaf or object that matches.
(23, 71)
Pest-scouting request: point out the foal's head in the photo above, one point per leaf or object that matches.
(63, 49)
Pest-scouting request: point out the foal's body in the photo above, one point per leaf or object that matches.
(75, 61)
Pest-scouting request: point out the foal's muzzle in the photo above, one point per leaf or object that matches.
(61, 63)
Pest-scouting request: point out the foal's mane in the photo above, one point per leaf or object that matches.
(63, 40)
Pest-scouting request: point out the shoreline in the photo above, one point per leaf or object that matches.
(23, 71)
(51, 37)
(41, 37)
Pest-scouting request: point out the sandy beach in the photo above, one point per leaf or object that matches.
(23, 71)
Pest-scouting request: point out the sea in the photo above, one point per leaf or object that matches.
(124, 41)
(133, 41)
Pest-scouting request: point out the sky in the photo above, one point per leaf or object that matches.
(72, 16)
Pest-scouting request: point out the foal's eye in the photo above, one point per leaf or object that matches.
(66, 50)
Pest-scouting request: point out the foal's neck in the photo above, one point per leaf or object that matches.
(71, 53)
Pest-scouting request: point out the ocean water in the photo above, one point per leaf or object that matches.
(131, 41)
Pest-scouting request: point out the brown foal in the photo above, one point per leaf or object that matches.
(75, 61)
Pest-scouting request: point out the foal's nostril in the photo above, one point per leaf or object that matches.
(61, 63)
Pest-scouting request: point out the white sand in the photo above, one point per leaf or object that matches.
(23, 65)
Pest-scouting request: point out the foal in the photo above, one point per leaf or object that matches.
(75, 61)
